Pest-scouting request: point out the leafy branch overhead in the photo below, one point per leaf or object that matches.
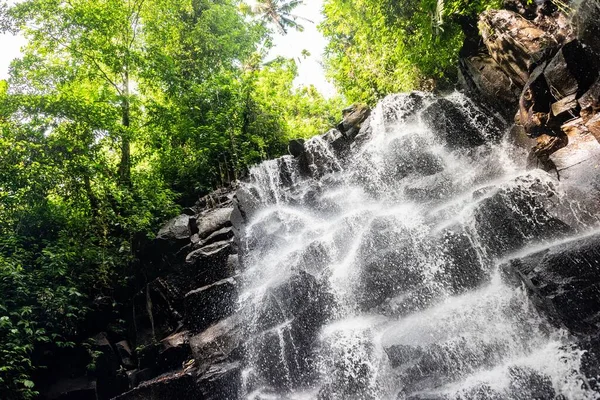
(279, 13)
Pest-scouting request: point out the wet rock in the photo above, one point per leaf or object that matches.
(319, 158)
(219, 343)
(354, 116)
(173, 386)
(220, 235)
(433, 187)
(514, 217)
(482, 76)
(205, 266)
(221, 381)
(546, 145)
(590, 360)
(565, 282)
(529, 384)
(593, 126)
(174, 351)
(107, 363)
(463, 267)
(586, 24)
(289, 319)
(388, 275)
(399, 355)
(441, 363)
(213, 220)
(515, 43)
(590, 101)
(301, 296)
(451, 125)
(296, 147)
(207, 305)
(534, 105)
(408, 155)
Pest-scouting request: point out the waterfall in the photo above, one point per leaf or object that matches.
(376, 272)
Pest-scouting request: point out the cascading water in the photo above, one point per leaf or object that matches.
(377, 275)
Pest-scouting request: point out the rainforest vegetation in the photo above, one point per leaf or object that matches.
(120, 112)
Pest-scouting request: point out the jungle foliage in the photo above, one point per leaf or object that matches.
(118, 113)
(378, 47)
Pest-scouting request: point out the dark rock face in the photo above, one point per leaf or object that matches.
(221, 381)
(512, 218)
(287, 325)
(174, 351)
(515, 43)
(296, 147)
(564, 281)
(586, 24)
(483, 77)
(209, 304)
(219, 343)
(453, 125)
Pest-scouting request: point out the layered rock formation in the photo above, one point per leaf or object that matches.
(191, 335)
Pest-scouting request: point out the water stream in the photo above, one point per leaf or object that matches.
(378, 275)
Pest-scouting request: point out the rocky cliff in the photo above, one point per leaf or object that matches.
(197, 331)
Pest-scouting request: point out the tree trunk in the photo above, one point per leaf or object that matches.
(125, 166)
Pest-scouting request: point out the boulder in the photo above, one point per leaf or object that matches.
(400, 354)
(454, 127)
(514, 217)
(410, 155)
(481, 75)
(565, 282)
(213, 220)
(590, 101)
(586, 24)
(593, 126)
(153, 312)
(515, 43)
(179, 228)
(301, 296)
(296, 147)
(205, 266)
(137, 376)
(285, 330)
(319, 157)
(174, 351)
(220, 235)
(219, 343)
(529, 384)
(209, 304)
(354, 116)
(463, 267)
(534, 105)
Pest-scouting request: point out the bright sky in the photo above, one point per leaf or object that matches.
(289, 46)
(310, 70)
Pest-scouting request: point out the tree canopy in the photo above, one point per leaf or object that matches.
(117, 114)
(378, 47)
